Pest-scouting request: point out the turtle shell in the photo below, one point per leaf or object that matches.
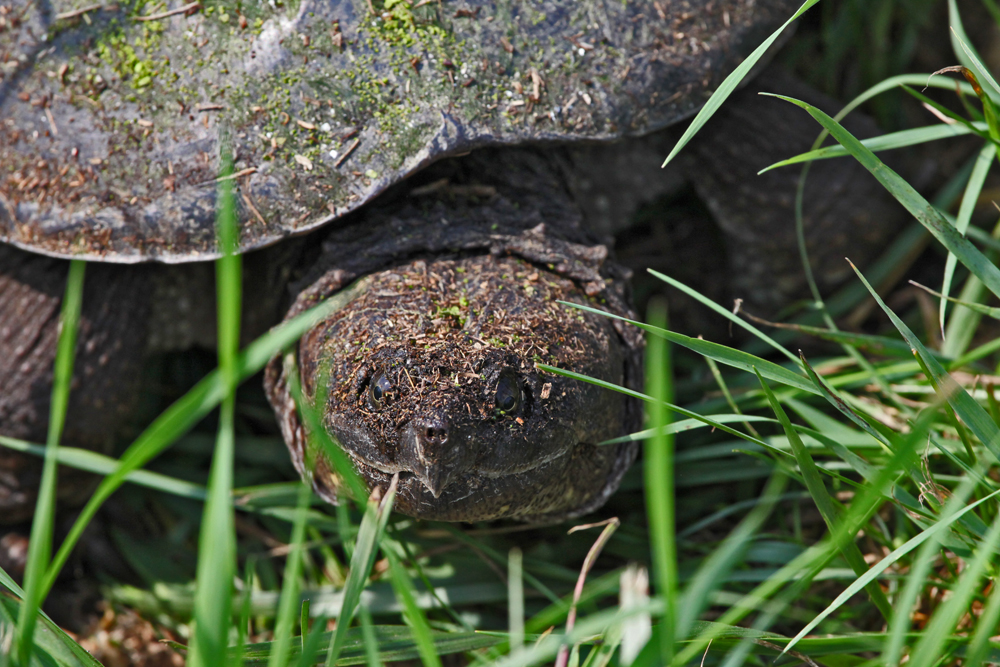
(113, 115)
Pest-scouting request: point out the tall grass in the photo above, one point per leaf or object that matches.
(889, 443)
(40, 547)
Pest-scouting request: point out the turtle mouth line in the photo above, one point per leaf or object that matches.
(420, 481)
(537, 463)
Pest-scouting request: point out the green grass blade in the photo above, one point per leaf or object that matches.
(869, 577)
(832, 433)
(658, 470)
(415, 617)
(51, 644)
(391, 642)
(828, 508)
(714, 570)
(288, 606)
(515, 600)
(708, 421)
(440, 602)
(976, 354)
(85, 459)
(946, 617)
(216, 570)
(808, 563)
(948, 113)
(243, 621)
(885, 142)
(320, 438)
(919, 207)
(965, 53)
(920, 569)
(846, 644)
(728, 314)
(985, 238)
(685, 425)
(973, 306)
(922, 80)
(554, 614)
(841, 405)
(312, 643)
(373, 523)
(720, 353)
(964, 322)
(880, 345)
(546, 647)
(969, 199)
(724, 388)
(973, 415)
(368, 637)
(986, 627)
(500, 557)
(187, 411)
(730, 84)
(40, 544)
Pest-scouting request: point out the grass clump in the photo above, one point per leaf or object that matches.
(860, 525)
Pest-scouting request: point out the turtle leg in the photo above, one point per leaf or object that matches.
(847, 213)
(110, 345)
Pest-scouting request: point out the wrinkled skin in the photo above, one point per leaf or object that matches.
(431, 373)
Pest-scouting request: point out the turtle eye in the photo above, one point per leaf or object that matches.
(508, 396)
(378, 388)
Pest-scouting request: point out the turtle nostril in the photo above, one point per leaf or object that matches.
(436, 435)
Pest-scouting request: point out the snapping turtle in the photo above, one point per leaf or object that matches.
(437, 160)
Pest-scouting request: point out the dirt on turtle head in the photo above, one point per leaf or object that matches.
(432, 374)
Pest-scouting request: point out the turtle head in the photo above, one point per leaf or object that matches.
(432, 373)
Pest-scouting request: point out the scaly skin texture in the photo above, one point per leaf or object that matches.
(421, 366)
(110, 342)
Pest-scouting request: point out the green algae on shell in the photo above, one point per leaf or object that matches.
(111, 115)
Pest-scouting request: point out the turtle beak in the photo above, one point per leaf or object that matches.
(428, 450)
(434, 478)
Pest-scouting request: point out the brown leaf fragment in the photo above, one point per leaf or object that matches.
(77, 12)
(187, 10)
(304, 161)
(344, 156)
(536, 85)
